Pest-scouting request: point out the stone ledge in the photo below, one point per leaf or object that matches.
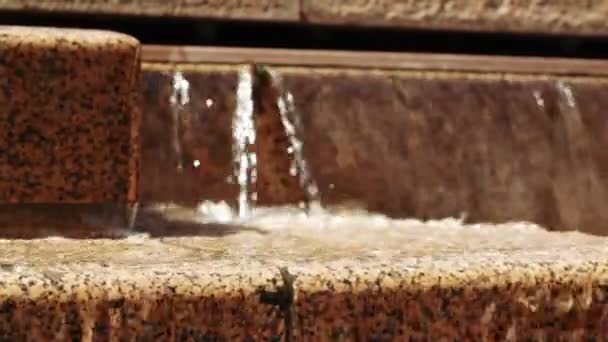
(68, 101)
(557, 16)
(278, 10)
(346, 276)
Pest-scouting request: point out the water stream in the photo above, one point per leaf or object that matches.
(243, 134)
(179, 98)
(244, 138)
(292, 123)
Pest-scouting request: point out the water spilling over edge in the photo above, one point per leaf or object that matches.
(179, 98)
(243, 134)
(292, 124)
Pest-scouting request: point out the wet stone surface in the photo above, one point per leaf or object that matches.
(187, 138)
(492, 147)
(187, 134)
(430, 145)
(349, 275)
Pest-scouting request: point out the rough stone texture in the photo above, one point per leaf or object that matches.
(107, 290)
(69, 116)
(229, 9)
(556, 16)
(495, 297)
(199, 131)
(357, 277)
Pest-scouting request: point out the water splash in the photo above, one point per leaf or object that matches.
(538, 97)
(179, 99)
(291, 120)
(243, 135)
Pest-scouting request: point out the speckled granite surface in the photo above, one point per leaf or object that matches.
(69, 115)
(333, 277)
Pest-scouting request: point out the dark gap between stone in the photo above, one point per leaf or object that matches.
(264, 34)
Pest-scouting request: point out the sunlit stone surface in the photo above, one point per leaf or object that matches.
(555, 16)
(69, 116)
(357, 276)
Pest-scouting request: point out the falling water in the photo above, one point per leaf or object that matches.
(292, 124)
(243, 135)
(179, 98)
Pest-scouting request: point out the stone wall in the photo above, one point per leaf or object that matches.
(560, 16)
(428, 144)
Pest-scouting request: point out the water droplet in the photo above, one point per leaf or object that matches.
(538, 96)
(566, 91)
(181, 89)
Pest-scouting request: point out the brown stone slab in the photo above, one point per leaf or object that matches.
(493, 283)
(375, 60)
(557, 16)
(69, 116)
(341, 275)
(135, 289)
(279, 10)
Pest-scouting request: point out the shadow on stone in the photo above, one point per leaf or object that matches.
(104, 221)
(159, 225)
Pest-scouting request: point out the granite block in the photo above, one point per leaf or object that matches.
(363, 277)
(554, 17)
(134, 289)
(485, 296)
(280, 10)
(332, 276)
(69, 114)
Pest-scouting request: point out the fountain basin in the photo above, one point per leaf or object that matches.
(282, 276)
(508, 144)
(426, 136)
